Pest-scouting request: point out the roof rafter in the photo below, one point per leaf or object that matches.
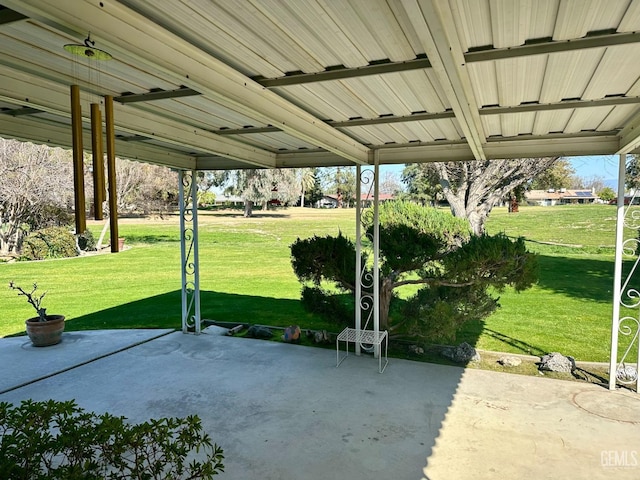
(123, 30)
(436, 31)
(19, 86)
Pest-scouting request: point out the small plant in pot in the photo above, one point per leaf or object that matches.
(43, 330)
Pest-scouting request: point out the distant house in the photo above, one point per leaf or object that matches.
(367, 200)
(561, 196)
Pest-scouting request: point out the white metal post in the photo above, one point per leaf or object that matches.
(358, 308)
(196, 256)
(376, 254)
(183, 249)
(617, 275)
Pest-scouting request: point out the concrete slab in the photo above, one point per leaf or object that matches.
(26, 363)
(286, 412)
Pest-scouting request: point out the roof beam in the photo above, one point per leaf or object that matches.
(553, 46)
(156, 95)
(54, 98)
(434, 26)
(534, 48)
(630, 136)
(16, 112)
(426, 116)
(9, 16)
(122, 30)
(344, 73)
(32, 129)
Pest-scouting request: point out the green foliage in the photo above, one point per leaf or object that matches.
(412, 235)
(607, 194)
(421, 246)
(52, 242)
(325, 258)
(423, 183)
(558, 176)
(495, 261)
(59, 440)
(437, 314)
(632, 172)
(337, 309)
(86, 241)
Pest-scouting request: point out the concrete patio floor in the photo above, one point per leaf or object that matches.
(286, 412)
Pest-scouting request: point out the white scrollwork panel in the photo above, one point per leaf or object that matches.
(189, 257)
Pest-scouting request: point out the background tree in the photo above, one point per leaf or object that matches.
(632, 172)
(341, 182)
(315, 193)
(473, 188)
(425, 247)
(422, 184)
(260, 186)
(607, 194)
(36, 185)
(558, 175)
(145, 188)
(307, 178)
(390, 184)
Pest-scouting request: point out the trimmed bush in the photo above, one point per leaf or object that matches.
(52, 242)
(59, 440)
(86, 241)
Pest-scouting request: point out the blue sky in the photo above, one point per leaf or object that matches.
(605, 166)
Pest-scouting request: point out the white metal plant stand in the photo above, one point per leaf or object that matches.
(357, 337)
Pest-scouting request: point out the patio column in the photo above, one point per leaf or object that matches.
(625, 321)
(187, 185)
(367, 292)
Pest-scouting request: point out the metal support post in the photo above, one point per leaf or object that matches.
(358, 309)
(98, 161)
(625, 322)
(376, 253)
(187, 185)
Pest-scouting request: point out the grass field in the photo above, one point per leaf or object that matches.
(246, 276)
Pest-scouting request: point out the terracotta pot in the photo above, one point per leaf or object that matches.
(43, 334)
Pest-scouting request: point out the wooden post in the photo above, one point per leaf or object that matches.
(78, 166)
(98, 161)
(111, 172)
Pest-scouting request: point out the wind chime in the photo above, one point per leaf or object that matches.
(92, 58)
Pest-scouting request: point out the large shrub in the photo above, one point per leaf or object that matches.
(59, 440)
(427, 248)
(52, 242)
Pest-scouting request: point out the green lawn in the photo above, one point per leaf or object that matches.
(246, 276)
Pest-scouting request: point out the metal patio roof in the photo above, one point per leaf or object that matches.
(221, 84)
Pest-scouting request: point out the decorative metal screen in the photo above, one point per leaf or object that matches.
(189, 252)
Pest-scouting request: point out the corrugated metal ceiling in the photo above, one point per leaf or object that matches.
(326, 82)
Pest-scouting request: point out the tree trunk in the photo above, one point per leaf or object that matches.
(248, 208)
(386, 292)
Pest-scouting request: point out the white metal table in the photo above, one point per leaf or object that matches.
(351, 335)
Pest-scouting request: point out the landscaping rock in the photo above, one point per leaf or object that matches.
(291, 334)
(463, 353)
(416, 349)
(321, 336)
(556, 362)
(626, 373)
(259, 332)
(508, 361)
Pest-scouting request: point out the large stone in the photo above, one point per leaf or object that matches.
(463, 353)
(556, 362)
(509, 361)
(256, 331)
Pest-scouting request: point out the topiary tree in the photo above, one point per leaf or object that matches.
(426, 247)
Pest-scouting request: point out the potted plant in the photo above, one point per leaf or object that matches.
(43, 330)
